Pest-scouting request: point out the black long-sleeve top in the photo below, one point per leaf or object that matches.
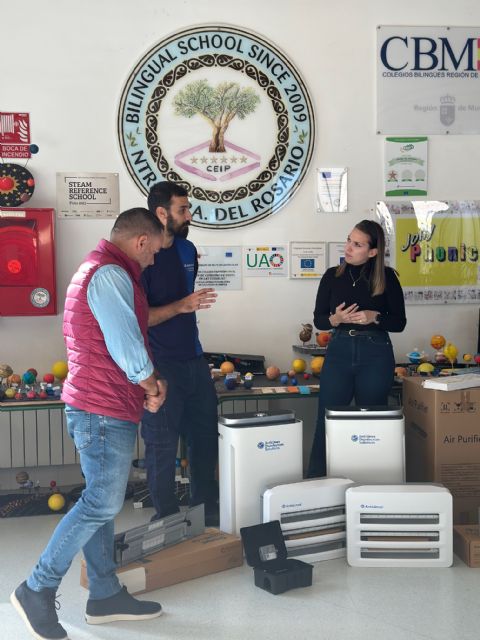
(333, 291)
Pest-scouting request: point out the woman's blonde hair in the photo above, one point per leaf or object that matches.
(376, 240)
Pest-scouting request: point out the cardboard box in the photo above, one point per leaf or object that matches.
(466, 544)
(442, 442)
(208, 553)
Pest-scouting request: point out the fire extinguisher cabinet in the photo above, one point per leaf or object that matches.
(27, 262)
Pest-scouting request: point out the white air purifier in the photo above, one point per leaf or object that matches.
(255, 450)
(366, 444)
(405, 525)
(311, 515)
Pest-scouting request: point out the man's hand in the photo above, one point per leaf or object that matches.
(201, 299)
(155, 395)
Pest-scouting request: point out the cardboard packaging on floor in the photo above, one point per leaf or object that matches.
(466, 544)
(208, 553)
(442, 442)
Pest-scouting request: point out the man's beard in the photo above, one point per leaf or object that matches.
(175, 229)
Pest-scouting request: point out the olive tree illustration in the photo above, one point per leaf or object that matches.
(218, 105)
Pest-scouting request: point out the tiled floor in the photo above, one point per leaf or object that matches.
(342, 604)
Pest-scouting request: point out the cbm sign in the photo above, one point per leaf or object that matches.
(428, 80)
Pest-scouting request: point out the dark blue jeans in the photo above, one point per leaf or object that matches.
(190, 410)
(359, 368)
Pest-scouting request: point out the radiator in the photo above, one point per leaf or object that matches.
(39, 437)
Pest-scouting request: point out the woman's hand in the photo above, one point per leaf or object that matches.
(343, 315)
(364, 317)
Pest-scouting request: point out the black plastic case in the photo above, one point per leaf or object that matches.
(266, 552)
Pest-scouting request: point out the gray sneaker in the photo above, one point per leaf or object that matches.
(38, 610)
(121, 606)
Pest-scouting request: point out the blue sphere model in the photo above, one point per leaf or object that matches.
(284, 379)
(293, 382)
(230, 383)
(248, 383)
(34, 148)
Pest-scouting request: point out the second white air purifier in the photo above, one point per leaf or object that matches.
(366, 444)
(255, 450)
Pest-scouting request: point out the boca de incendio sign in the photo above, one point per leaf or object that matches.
(226, 114)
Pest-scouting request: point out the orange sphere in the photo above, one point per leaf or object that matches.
(323, 338)
(227, 367)
(272, 373)
(317, 364)
(14, 379)
(437, 341)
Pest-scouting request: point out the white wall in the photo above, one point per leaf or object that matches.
(66, 62)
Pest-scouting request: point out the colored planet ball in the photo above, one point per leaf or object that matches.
(30, 182)
(60, 369)
(227, 367)
(284, 379)
(248, 381)
(293, 382)
(477, 358)
(28, 377)
(22, 477)
(34, 148)
(5, 370)
(49, 378)
(43, 394)
(467, 357)
(230, 383)
(425, 368)
(317, 364)
(6, 183)
(31, 394)
(437, 341)
(56, 502)
(34, 371)
(299, 365)
(272, 372)
(10, 393)
(306, 376)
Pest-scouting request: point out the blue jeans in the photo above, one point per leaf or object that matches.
(359, 368)
(105, 446)
(190, 410)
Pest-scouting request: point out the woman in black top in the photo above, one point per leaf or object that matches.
(362, 300)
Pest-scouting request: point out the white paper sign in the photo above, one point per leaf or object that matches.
(266, 261)
(406, 166)
(332, 190)
(87, 195)
(307, 259)
(219, 267)
(336, 253)
(427, 80)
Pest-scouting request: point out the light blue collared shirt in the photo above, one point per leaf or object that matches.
(110, 298)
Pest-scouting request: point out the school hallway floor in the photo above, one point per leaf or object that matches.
(342, 604)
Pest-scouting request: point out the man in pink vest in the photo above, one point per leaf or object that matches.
(111, 380)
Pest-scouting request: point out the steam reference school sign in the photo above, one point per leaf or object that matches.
(428, 80)
(224, 113)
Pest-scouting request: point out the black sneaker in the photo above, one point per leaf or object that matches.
(38, 610)
(121, 606)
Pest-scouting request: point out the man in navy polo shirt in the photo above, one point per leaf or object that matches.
(191, 405)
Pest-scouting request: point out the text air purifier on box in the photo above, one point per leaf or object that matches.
(311, 515)
(366, 444)
(404, 525)
(255, 450)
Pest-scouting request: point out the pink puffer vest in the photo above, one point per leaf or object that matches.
(95, 383)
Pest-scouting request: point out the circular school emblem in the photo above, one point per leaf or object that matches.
(224, 113)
